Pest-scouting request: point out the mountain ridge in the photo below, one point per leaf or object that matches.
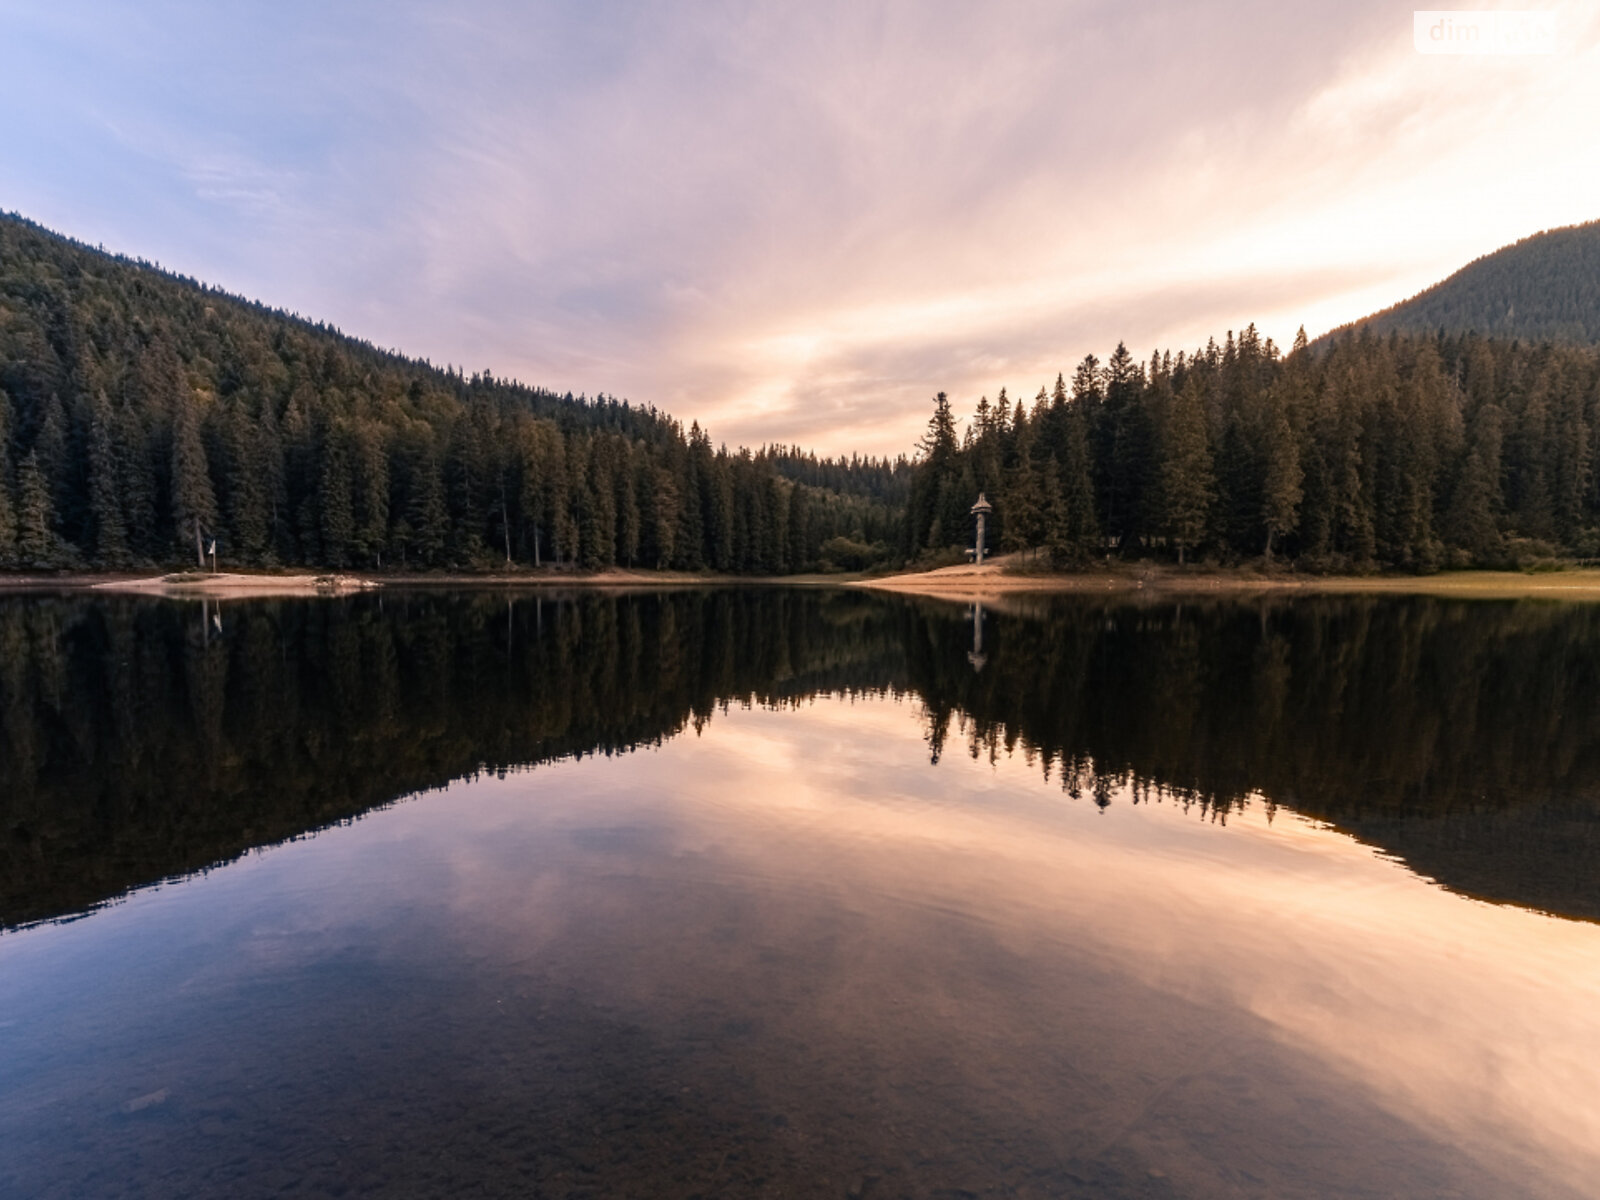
(1543, 287)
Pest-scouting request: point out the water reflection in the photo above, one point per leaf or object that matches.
(139, 740)
(793, 942)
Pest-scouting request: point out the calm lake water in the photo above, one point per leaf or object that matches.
(799, 893)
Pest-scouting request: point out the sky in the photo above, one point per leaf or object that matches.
(793, 223)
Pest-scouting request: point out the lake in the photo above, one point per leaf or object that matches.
(797, 892)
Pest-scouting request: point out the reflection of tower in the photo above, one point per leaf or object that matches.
(209, 620)
(977, 658)
(981, 510)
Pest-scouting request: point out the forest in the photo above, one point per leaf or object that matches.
(1403, 452)
(145, 417)
(1544, 287)
(136, 406)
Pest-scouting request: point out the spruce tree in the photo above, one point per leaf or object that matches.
(427, 518)
(1281, 485)
(136, 478)
(1082, 527)
(1024, 506)
(192, 497)
(8, 512)
(248, 511)
(37, 547)
(8, 524)
(1472, 517)
(1186, 471)
(371, 495)
(105, 501)
(334, 497)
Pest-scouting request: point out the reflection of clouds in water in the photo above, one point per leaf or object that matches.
(1471, 1019)
(792, 943)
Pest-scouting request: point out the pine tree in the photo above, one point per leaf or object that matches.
(136, 478)
(249, 513)
(1186, 475)
(334, 499)
(371, 495)
(1081, 532)
(1281, 486)
(427, 518)
(8, 522)
(929, 520)
(192, 497)
(1024, 505)
(50, 443)
(269, 454)
(105, 501)
(659, 518)
(1471, 519)
(37, 547)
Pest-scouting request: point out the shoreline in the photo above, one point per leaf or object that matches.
(247, 586)
(959, 584)
(969, 584)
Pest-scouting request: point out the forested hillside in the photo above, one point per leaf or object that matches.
(1543, 287)
(135, 403)
(136, 406)
(1409, 452)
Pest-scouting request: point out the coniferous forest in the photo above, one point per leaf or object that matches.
(134, 403)
(136, 406)
(1402, 452)
(1542, 287)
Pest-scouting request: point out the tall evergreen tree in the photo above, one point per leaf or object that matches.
(1186, 471)
(1281, 483)
(105, 499)
(192, 499)
(8, 523)
(37, 544)
(335, 501)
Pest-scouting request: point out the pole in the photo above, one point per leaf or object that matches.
(199, 550)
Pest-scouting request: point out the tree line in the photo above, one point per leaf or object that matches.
(1403, 452)
(139, 409)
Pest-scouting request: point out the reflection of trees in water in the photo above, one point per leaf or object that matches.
(1462, 736)
(1351, 706)
(137, 742)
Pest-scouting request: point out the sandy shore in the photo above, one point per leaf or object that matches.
(996, 579)
(237, 587)
(243, 586)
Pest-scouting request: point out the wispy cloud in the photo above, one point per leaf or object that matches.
(795, 224)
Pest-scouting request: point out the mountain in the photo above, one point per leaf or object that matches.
(1542, 288)
(136, 404)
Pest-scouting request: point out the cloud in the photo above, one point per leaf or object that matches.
(795, 224)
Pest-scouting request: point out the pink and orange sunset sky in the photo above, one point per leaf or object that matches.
(793, 223)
